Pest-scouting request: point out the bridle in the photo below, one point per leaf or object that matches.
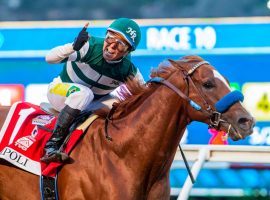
(215, 117)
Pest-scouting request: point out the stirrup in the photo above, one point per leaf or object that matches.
(56, 156)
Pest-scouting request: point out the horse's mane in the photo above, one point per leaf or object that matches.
(137, 89)
(164, 70)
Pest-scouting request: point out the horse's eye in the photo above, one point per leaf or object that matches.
(208, 85)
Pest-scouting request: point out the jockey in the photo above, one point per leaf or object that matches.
(94, 67)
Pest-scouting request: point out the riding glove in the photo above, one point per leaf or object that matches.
(81, 39)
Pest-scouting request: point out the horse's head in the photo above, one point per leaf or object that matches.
(210, 97)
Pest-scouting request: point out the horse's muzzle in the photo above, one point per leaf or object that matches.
(243, 128)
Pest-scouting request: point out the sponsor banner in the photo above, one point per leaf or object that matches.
(42, 120)
(261, 134)
(257, 100)
(156, 35)
(11, 93)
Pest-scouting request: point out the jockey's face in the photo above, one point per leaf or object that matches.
(114, 47)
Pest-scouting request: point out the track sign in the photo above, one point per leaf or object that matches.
(257, 100)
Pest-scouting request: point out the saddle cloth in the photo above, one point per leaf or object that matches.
(25, 133)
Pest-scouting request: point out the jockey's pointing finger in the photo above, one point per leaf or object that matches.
(85, 26)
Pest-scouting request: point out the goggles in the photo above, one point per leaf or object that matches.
(120, 45)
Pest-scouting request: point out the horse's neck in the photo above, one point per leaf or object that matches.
(154, 129)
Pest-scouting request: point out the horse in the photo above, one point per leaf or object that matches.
(128, 154)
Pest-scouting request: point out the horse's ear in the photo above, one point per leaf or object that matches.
(175, 64)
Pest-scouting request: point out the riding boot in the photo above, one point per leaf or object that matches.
(61, 130)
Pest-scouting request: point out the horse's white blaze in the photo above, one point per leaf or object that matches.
(220, 77)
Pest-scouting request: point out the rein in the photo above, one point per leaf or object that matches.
(181, 94)
(108, 118)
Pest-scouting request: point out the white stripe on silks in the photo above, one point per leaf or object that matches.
(95, 76)
(84, 49)
(73, 76)
(105, 80)
(72, 57)
(99, 91)
(88, 71)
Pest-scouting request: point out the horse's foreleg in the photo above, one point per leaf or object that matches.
(160, 190)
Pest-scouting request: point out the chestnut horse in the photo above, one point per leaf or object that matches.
(145, 129)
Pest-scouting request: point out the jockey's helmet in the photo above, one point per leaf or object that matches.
(129, 29)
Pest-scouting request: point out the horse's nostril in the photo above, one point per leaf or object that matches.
(243, 120)
(246, 123)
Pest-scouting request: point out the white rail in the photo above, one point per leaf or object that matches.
(199, 154)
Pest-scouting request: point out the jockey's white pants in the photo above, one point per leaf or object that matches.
(74, 95)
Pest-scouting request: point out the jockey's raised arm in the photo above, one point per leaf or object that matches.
(70, 51)
(58, 54)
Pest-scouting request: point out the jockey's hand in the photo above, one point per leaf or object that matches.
(81, 39)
